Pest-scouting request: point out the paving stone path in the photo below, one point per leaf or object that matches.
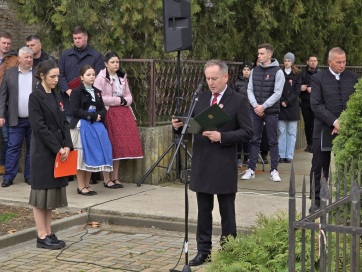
(108, 248)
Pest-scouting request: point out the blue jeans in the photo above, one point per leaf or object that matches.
(4, 139)
(17, 134)
(271, 126)
(4, 142)
(287, 138)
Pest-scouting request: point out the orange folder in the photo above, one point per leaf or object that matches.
(68, 167)
(75, 83)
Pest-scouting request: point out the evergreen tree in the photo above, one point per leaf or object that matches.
(224, 29)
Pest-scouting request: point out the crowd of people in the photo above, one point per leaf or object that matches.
(83, 102)
(80, 102)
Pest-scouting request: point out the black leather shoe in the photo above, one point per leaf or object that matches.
(287, 160)
(7, 183)
(200, 259)
(55, 238)
(27, 181)
(49, 243)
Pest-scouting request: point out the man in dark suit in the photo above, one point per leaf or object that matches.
(15, 89)
(214, 161)
(331, 90)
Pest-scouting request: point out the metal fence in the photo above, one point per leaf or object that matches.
(154, 86)
(328, 239)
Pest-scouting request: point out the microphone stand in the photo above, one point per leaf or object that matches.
(186, 267)
(186, 125)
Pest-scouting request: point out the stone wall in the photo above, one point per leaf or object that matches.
(18, 30)
(155, 140)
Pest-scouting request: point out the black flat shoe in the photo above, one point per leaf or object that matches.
(200, 259)
(55, 238)
(119, 185)
(48, 243)
(114, 186)
(80, 191)
(91, 191)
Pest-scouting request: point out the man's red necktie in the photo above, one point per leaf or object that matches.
(214, 100)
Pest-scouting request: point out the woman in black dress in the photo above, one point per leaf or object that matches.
(50, 136)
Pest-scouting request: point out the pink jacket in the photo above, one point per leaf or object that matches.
(105, 83)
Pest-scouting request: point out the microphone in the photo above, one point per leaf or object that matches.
(199, 88)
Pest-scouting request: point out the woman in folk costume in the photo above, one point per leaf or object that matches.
(120, 120)
(88, 132)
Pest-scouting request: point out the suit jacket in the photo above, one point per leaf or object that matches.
(214, 165)
(9, 94)
(50, 132)
(329, 98)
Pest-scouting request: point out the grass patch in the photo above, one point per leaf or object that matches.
(6, 217)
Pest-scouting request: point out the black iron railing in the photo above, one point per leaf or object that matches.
(330, 237)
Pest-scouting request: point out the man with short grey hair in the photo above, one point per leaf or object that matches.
(331, 90)
(15, 89)
(214, 165)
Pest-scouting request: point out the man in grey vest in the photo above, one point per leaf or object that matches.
(265, 87)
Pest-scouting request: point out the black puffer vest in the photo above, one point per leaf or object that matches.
(263, 86)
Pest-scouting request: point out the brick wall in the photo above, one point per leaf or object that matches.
(8, 22)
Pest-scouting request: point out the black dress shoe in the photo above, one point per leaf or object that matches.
(287, 160)
(27, 181)
(49, 243)
(55, 238)
(7, 183)
(200, 259)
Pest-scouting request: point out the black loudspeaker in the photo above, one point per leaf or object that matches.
(177, 25)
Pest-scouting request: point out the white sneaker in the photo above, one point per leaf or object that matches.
(274, 176)
(249, 174)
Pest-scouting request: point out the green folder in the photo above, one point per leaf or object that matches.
(210, 119)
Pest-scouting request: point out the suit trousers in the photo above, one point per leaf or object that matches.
(205, 205)
(308, 117)
(17, 134)
(320, 162)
